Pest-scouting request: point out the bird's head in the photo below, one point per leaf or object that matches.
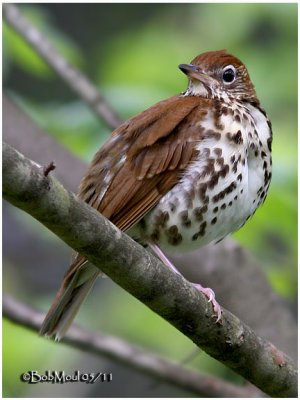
(217, 74)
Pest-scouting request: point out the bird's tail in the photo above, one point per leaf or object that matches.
(75, 287)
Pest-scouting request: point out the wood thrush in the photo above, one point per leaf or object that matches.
(185, 172)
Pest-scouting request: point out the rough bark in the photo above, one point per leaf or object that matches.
(145, 277)
(234, 274)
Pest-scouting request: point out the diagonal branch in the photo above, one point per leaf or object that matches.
(68, 73)
(214, 266)
(145, 277)
(129, 355)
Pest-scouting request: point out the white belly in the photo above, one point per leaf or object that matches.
(219, 191)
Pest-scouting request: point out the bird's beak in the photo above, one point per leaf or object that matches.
(194, 72)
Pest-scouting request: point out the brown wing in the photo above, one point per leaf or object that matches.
(143, 159)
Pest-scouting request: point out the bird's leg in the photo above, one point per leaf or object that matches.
(209, 293)
(157, 250)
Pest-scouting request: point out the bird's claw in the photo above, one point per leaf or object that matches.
(210, 294)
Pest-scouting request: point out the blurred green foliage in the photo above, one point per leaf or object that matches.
(134, 63)
(18, 51)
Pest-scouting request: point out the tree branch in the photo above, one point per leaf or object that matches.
(145, 277)
(68, 73)
(129, 355)
(214, 266)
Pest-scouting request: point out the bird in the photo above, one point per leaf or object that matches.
(186, 172)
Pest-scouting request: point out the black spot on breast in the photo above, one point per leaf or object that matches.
(184, 217)
(175, 240)
(172, 231)
(217, 115)
(220, 161)
(245, 117)
(209, 167)
(224, 110)
(161, 218)
(172, 207)
(269, 142)
(201, 231)
(218, 152)
(253, 146)
(267, 177)
(224, 171)
(155, 235)
(205, 152)
(198, 214)
(202, 191)
(214, 220)
(206, 200)
(211, 134)
(195, 236)
(199, 211)
(237, 118)
(213, 180)
(188, 197)
(202, 228)
(234, 167)
(269, 124)
(224, 192)
(237, 138)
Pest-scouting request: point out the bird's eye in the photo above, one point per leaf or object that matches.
(228, 74)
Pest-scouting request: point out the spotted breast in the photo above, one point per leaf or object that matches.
(223, 186)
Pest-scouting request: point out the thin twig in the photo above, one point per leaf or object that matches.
(130, 355)
(78, 82)
(48, 168)
(38, 145)
(145, 277)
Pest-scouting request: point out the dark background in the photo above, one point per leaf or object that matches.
(131, 52)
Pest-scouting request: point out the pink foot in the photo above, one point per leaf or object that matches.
(210, 294)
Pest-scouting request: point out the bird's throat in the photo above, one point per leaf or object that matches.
(196, 88)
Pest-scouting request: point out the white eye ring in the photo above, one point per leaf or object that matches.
(229, 74)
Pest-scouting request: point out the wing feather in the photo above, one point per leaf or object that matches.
(148, 152)
(142, 160)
